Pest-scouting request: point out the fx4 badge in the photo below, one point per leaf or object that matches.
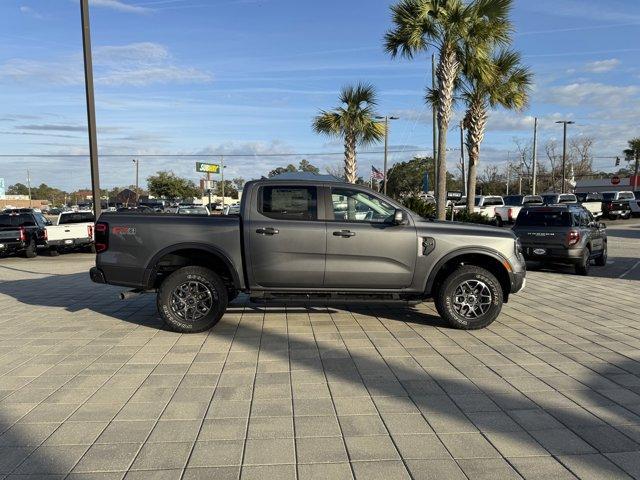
(123, 230)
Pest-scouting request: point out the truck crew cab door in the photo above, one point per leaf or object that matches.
(286, 241)
(365, 249)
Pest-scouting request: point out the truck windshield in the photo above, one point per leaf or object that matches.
(76, 217)
(537, 218)
(8, 220)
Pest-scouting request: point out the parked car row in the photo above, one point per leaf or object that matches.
(24, 231)
(505, 210)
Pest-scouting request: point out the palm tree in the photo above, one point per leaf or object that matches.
(501, 81)
(353, 121)
(451, 27)
(633, 153)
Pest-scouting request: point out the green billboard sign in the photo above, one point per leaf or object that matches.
(207, 167)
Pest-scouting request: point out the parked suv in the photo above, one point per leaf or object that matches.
(22, 231)
(562, 234)
(309, 239)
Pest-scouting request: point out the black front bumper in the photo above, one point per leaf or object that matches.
(553, 255)
(96, 275)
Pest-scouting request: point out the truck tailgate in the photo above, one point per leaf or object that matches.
(68, 231)
(9, 234)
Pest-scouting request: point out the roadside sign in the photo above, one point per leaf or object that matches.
(207, 167)
(454, 195)
(615, 180)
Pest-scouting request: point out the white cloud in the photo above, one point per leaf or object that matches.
(591, 94)
(119, 6)
(602, 66)
(135, 64)
(25, 10)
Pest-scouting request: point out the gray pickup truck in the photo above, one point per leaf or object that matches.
(315, 240)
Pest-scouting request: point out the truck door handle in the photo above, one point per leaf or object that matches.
(268, 231)
(344, 234)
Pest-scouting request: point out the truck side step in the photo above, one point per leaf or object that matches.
(333, 298)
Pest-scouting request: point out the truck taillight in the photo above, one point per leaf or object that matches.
(102, 236)
(23, 234)
(573, 237)
(510, 214)
(90, 231)
(46, 235)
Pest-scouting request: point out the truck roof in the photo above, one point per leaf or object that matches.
(306, 176)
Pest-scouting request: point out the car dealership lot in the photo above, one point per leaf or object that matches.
(92, 387)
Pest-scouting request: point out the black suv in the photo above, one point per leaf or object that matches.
(565, 234)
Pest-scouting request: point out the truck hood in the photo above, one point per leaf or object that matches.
(459, 228)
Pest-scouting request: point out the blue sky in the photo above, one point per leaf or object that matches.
(247, 77)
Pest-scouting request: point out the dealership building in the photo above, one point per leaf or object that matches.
(608, 184)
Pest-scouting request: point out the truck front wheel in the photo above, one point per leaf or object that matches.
(469, 298)
(192, 299)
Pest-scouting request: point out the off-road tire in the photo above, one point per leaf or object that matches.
(583, 266)
(601, 260)
(205, 277)
(31, 251)
(53, 252)
(91, 248)
(444, 297)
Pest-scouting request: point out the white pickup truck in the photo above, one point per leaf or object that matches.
(592, 202)
(483, 204)
(512, 206)
(73, 230)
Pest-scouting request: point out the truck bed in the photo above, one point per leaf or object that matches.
(137, 241)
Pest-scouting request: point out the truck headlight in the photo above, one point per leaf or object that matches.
(518, 247)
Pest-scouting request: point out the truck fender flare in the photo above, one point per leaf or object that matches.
(151, 266)
(489, 252)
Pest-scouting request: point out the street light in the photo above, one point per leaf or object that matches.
(137, 162)
(386, 119)
(564, 151)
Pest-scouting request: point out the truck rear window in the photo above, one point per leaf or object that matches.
(532, 218)
(67, 218)
(16, 220)
(289, 203)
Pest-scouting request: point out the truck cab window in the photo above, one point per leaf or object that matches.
(289, 202)
(357, 206)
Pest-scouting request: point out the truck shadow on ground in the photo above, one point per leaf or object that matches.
(580, 415)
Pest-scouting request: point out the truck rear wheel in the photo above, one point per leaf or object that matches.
(469, 298)
(192, 299)
(31, 251)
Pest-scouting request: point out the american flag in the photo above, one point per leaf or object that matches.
(376, 174)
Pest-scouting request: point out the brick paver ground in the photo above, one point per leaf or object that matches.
(92, 387)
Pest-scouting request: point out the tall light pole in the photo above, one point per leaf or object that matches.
(435, 128)
(137, 162)
(29, 186)
(386, 119)
(534, 160)
(91, 107)
(564, 151)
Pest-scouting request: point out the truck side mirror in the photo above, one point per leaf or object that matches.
(400, 217)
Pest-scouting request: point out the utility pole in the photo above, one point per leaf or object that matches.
(564, 152)
(464, 177)
(534, 160)
(520, 175)
(29, 186)
(386, 119)
(508, 171)
(222, 173)
(91, 107)
(435, 129)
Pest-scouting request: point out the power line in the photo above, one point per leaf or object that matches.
(211, 155)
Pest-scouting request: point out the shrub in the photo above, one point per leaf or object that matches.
(418, 205)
